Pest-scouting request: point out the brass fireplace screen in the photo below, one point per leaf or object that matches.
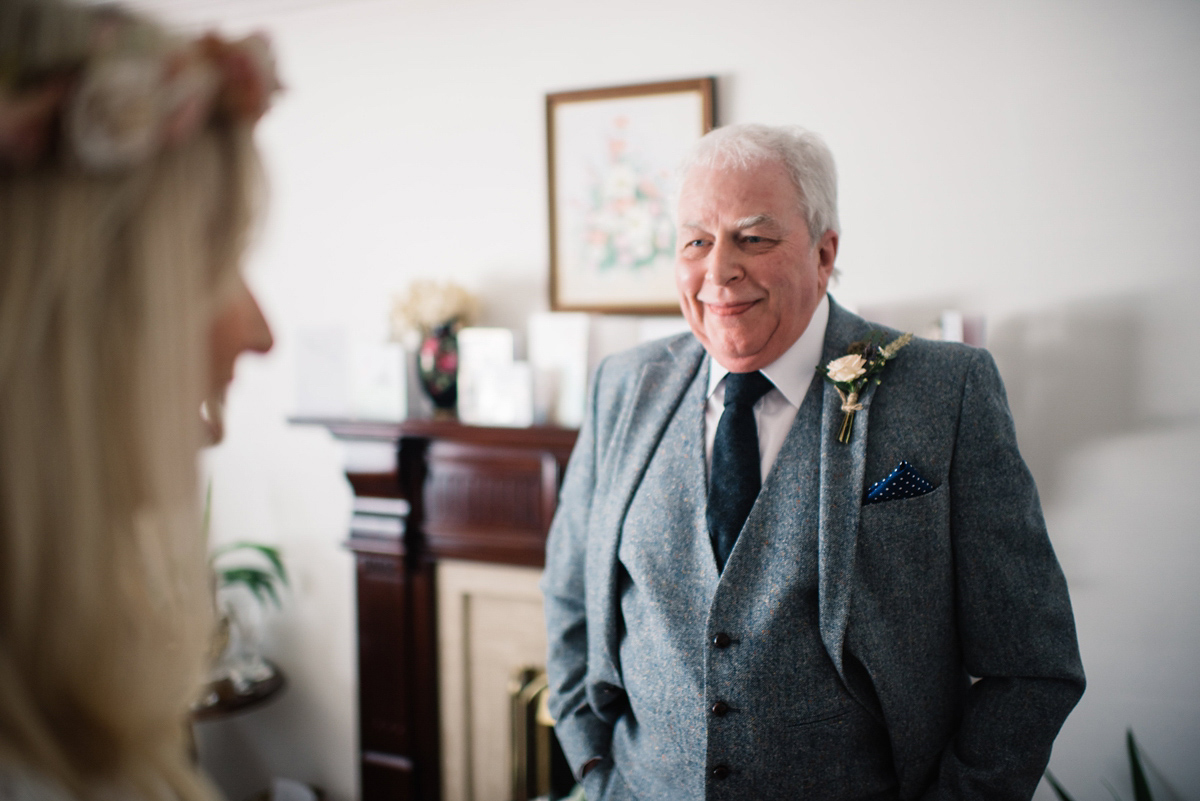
(539, 769)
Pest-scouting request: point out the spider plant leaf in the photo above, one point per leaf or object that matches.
(257, 589)
(268, 552)
(1112, 791)
(258, 581)
(269, 588)
(1058, 789)
(244, 575)
(221, 550)
(207, 522)
(273, 555)
(1141, 787)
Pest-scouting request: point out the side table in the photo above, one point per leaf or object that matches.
(223, 700)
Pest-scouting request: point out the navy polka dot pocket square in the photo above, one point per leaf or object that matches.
(902, 482)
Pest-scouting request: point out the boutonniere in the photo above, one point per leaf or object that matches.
(849, 374)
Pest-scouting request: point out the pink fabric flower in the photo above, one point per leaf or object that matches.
(248, 74)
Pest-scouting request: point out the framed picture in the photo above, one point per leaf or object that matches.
(612, 154)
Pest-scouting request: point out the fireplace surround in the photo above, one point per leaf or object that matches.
(437, 505)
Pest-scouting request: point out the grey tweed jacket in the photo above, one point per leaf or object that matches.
(946, 615)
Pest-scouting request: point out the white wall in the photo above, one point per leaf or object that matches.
(1034, 162)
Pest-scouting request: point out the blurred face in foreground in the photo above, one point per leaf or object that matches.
(749, 276)
(237, 327)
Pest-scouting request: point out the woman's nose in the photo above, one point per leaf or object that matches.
(258, 332)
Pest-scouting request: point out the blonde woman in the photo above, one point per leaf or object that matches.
(128, 180)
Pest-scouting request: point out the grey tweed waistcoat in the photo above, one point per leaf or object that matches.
(787, 728)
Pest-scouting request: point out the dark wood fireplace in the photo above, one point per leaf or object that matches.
(453, 492)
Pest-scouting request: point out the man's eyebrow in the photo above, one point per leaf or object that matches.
(745, 222)
(753, 220)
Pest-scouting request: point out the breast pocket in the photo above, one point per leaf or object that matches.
(907, 538)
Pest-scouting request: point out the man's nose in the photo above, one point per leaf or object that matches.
(724, 265)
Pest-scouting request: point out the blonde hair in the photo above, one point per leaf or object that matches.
(107, 287)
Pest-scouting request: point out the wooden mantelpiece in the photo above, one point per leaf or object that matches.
(454, 492)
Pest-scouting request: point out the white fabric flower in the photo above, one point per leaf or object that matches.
(847, 368)
(116, 115)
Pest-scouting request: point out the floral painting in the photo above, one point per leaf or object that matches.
(613, 154)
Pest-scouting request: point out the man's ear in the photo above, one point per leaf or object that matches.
(827, 250)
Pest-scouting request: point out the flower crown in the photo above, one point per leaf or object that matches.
(132, 95)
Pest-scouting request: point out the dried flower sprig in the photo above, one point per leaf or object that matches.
(849, 374)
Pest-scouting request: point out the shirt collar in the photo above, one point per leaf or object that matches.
(792, 372)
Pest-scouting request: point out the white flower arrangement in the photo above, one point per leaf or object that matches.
(428, 304)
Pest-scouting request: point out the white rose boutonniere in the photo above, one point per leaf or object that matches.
(849, 374)
(847, 368)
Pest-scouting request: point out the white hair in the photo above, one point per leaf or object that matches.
(803, 153)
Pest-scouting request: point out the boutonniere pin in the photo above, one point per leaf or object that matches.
(849, 374)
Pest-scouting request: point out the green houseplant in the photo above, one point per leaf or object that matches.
(261, 580)
(1141, 787)
(247, 577)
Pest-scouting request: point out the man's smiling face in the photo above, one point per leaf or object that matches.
(749, 276)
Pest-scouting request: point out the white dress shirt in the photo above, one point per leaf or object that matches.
(775, 412)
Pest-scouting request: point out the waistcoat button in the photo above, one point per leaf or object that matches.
(721, 640)
(720, 772)
(720, 708)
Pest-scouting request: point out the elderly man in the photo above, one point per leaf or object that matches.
(749, 596)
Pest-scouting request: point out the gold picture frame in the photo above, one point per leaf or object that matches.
(611, 154)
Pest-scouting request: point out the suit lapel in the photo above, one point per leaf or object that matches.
(660, 388)
(839, 496)
(658, 392)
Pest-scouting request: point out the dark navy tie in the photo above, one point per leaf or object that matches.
(735, 477)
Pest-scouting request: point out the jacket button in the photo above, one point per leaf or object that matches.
(719, 708)
(720, 772)
(721, 640)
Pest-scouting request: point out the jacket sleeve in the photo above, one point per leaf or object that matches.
(582, 734)
(1014, 615)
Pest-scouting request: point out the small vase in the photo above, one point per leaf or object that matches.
(243, 626)
(437, 365)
